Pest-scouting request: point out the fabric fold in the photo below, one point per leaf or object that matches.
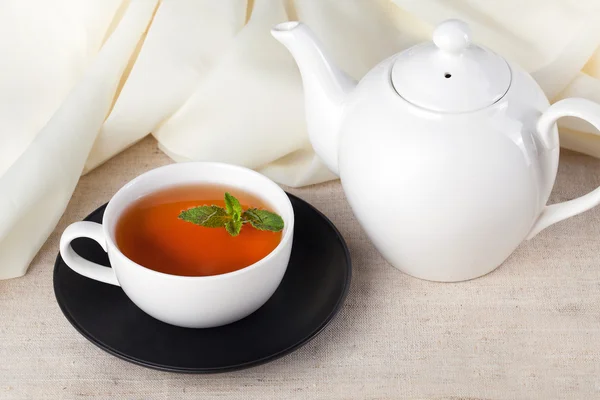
(175, 55)
(245, 111)
(35, 190)
(46, 48)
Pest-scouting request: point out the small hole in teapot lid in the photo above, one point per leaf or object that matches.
(447, 75)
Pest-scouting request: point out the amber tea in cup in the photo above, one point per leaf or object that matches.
(150, 233)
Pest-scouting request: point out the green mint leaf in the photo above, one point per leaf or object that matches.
(232, 205)
(234, 227)
(208, 216)
(263, 220)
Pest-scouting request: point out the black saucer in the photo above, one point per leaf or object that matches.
(310, 295)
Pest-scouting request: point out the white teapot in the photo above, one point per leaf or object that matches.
(447, 153)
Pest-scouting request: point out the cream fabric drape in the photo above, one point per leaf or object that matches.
(82, 80)
(36, 187)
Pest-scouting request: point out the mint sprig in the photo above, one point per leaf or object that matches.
(232, 217)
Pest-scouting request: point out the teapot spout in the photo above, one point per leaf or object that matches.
(325, 88)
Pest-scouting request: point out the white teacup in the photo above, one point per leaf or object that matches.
(193, 302)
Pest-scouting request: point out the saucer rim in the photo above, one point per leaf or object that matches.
(272, 357)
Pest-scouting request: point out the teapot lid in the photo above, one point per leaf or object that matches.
(450, 74)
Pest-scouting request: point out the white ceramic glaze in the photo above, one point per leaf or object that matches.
(447, 176)
(460, 76)
(194, 302)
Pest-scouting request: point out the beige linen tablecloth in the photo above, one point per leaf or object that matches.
(530, 329)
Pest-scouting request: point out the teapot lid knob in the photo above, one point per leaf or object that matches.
(452, 36)
(451, 74)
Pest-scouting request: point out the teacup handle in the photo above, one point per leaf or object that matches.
(79, 264)
(573, 107)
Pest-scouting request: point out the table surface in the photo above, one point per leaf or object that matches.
(530, 329)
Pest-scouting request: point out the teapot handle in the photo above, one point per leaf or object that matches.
(573, 107)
